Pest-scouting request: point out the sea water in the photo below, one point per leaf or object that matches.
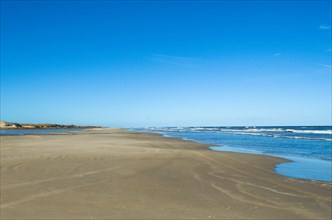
(37, 131)
(308, 147)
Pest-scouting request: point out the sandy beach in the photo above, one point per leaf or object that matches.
(117, 174)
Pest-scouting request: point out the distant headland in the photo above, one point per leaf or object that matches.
(14, 125)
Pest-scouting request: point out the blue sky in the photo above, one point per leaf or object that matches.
(177, 63)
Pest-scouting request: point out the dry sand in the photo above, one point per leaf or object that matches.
(116, 174)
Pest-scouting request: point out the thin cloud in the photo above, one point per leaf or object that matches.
(329, 50)
(174, 60)
(326, 65)
(324, 27)
(277, 54)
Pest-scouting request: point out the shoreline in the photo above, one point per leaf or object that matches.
(283, 158)
(119, 173)
(284, 168)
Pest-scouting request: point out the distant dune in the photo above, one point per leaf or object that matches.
(14, 125)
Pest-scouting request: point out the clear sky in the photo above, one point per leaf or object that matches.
(175, 63)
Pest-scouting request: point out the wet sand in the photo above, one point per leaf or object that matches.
(116, 174)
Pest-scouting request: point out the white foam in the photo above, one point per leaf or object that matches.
(310, 131)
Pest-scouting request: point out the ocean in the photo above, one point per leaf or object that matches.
(36, 131)
(308, 147)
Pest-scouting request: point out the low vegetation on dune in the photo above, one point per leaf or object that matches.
(14, 125)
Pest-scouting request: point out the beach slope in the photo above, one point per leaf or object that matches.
(117, 174)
